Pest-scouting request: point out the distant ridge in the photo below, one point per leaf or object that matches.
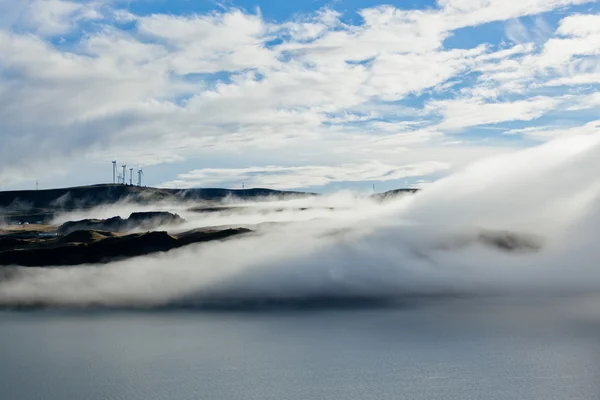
(391, 194)
(35, 206)
(85, 196)
(41, 204)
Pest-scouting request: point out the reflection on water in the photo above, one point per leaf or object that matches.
(448, 349)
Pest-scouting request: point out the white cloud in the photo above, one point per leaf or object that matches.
(575, 79)
(474, 12)
(312, 27)
(53, 17)
(516, 32)
(460, 114)
(580, 25)
(396, 75)
(210, 43)
(560, 51)
(586, 102)
(306, 176)
(569, 58)
(548, 132)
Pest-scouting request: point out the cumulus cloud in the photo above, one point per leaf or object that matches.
(176, 87)
(580, 25)
(49, 17)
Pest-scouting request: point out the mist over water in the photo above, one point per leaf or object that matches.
(440, 240)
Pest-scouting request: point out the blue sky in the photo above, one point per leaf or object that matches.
(317, 95)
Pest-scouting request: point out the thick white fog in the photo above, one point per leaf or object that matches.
(429, 242)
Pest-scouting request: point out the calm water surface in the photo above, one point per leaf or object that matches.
(447, 350)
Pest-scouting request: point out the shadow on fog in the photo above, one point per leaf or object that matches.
(266, 305)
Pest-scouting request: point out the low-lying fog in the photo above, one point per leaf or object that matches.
(345, 245)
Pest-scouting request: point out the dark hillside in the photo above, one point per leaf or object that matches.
(93, 247)
(392, 194)
(43, 201)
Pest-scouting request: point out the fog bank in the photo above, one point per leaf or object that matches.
(443, 239)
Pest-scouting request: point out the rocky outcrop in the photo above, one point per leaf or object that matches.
(86, 236)
(92, 247)
(136, 221)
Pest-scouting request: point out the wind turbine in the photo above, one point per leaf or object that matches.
(131, 176)
(124, 172)
(140, 174)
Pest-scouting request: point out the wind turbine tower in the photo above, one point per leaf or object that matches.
(140, 174)
(124, 172)
(130, 176)
(114, 172)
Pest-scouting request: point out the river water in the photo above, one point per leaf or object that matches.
(444, 349)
